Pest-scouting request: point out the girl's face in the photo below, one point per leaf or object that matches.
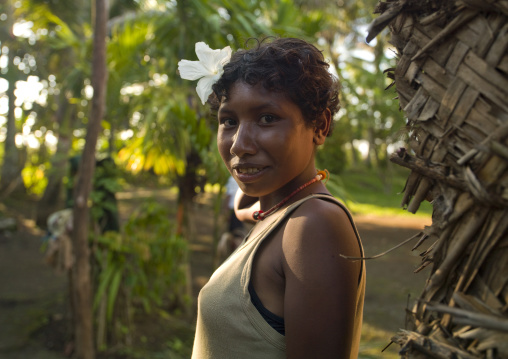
(264, 141)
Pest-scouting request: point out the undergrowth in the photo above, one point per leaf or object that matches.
(365, 192)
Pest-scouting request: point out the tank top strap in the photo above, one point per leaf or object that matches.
(329, 198)
(286, 212)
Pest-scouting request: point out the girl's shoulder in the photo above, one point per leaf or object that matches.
(322, 225)
(316, 275)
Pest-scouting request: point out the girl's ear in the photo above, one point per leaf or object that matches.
(322, 127)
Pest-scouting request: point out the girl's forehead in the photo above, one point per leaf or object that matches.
(243, 91)
(254, 100)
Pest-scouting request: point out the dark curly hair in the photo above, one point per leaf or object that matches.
(287, 65)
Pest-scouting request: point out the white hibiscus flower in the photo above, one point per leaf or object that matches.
(208, 69)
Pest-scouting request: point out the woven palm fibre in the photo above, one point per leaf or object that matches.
(451, 78)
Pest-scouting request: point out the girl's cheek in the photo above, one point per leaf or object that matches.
(223, 146)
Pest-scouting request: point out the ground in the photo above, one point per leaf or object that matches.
(33, 298)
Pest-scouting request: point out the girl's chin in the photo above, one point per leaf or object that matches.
(253, 191)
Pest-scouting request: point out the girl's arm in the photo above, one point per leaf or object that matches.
(245, 206)
(320, 286)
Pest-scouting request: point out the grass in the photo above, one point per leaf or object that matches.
(374, 342)
(365, 193)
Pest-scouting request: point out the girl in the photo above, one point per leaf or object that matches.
(287, 291)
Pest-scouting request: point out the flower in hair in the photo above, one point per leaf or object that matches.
(208, 69)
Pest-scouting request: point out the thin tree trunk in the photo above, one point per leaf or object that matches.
(372, 158)
(82, 292)
(354, 154)
(111, 139)
(10, 179)
(186, 192)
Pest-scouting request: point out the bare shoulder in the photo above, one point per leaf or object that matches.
(322, 226)
(318, 277)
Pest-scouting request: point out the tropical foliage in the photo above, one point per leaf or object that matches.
(142, 268)
(154, 124)
(153, 120)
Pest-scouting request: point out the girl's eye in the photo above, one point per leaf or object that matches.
(227, 122)
(266, 119)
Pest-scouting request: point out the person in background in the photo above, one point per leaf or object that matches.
(235, 233)
(234, 223)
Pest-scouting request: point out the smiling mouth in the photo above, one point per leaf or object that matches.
(249, 170)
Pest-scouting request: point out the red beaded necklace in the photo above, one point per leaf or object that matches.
(260, 215)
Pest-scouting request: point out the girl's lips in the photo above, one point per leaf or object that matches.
(249, 174)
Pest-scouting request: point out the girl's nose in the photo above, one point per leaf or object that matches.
(243, 141)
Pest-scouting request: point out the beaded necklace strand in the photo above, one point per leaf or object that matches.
(260, 215)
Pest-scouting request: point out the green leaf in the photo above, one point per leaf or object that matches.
(246, 25)
(112, 294)
(104, 280)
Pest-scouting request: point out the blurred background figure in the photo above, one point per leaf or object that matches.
(104, 212)
(236, 229)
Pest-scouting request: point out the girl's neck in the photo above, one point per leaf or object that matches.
(272, 199)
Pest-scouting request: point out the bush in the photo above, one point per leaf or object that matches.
(141, 268)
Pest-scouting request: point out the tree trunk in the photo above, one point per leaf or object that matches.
(10, 179)
(186, 193)
(354, 154)
(111, 139)
(372, 156)
(82, 291)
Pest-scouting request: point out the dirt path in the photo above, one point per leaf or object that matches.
(390, 279)
(31, 294)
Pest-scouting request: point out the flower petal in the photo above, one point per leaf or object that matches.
(192, 70)
(225, 55)
(212, 60)
(209, 68)
(204, 87)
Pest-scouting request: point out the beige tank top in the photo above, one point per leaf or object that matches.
(228, 324)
